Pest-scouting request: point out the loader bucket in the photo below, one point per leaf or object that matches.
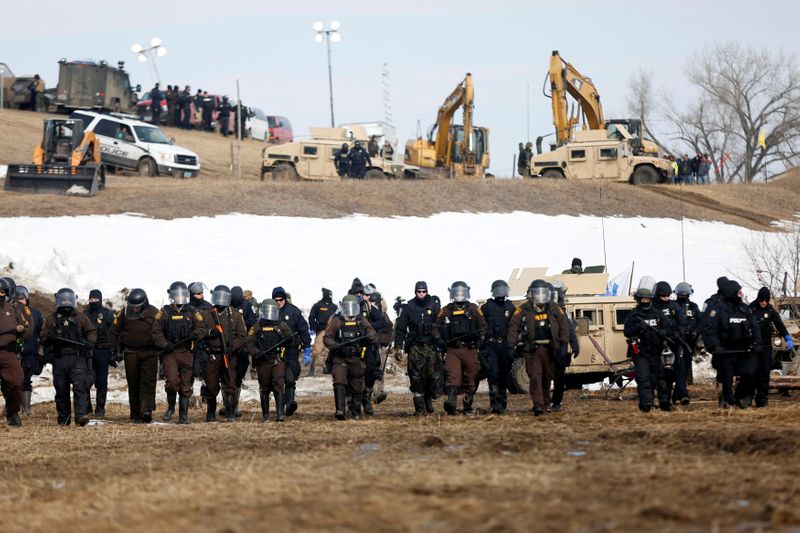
(55, 179)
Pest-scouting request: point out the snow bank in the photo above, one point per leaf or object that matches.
(305, 254)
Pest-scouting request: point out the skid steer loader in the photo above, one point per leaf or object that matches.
(67, 161)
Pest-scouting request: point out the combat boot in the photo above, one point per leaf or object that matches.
(229, 408)
(366, 402)
(468, 410)
(419, 404)
(265, 406)
(494, 399)
(381, 396)
(100, 408)
(183, 410)
(280, 415)
(224, 403)
(429, 403)
(291, 405)
(14, 420)
(170, 412)
(26, 402)
(355, 407)
(340, 400)
(451, 403)
(147, 417)
(238, 395)
(211, 409)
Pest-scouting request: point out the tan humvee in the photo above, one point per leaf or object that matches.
(593, 155)
(313, 158)
(599, 321)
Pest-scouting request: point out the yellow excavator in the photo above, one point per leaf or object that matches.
(452, 150)
(66, 161)
(566, 79)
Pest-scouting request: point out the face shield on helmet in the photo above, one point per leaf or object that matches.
(66, 299)
(269, 310)
(221, 296)
(350, 307)
(459, 292)
(21, 293)
(500, 289)
(646, 288)
(539, 295)
(136, 303)
(178, 293)
(683, 290)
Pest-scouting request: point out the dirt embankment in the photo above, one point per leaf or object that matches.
(599, 465)
(216, 192)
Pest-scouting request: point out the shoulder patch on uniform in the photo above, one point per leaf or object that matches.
(478, 309)
(159, 315)
(713, 312)
(26, 310)
(518, 311)
(252, 331)
(198, 316)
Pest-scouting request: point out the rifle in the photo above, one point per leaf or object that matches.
(225, 356)
(168, 349)
(278, 345)
(73, 343)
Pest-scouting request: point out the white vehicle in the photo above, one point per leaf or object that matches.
(257, 125)
(134, 145)
(382, 132)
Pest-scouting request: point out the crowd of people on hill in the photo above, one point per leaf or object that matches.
(179, 108)
(690, 171)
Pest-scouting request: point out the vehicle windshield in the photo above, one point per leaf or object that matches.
(148, 134)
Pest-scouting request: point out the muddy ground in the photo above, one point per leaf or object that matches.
(599, 465)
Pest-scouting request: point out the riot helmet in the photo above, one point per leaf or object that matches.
(66, 301)
(221, 296)
(561, 291)
(350, 306)
(22, 293)
(538, 292)
(269, 310)
(369, 289)
(178, 293)
(663, 289)
(683, 290)
(500, 289)
(345, 148)
(136, 302)
(459, 292)
(646, 288)
(237, 296)
(197, 288)
(8, 287)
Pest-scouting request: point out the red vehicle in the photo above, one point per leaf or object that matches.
(144, 110)
(280, 130)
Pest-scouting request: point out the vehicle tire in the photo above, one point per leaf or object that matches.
(553, 174)
(284, 172)
(519, 377)
(147, 167)
(263, 172)
(644, 175)
(374, 174)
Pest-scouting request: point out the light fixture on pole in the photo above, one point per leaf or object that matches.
(328, 34)
(155, 50)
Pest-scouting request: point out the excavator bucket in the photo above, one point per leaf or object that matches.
(55, 179)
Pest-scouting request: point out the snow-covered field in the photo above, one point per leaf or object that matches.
(304, 254)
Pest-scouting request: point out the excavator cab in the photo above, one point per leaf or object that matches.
(474, 159)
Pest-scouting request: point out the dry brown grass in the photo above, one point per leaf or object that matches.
(215, 192)
(695, 468)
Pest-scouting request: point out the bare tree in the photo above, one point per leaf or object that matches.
(775, 260)
(642, 102)
(744, 90)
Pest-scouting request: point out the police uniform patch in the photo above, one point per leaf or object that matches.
(158, 315)
(286, 317)
(99, 319)
(713, 312)
(26, 310)
(198, 316)
(507, 313)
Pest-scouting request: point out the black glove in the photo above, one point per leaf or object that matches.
(212, 333)
(576, 354)
(170, 347)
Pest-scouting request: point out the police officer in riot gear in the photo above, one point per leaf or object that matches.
(562, 360)
(691, 314)
(16, 326)
(359, 161)
(196, 299)
(647, 328)
(413, 334)
(101, 317)
(769, 323)
(30, 361)
(676, 371)
(293, 318)
(244, 307)
(267, 343)
(70, 336)
(732, 334)
(132, 331)
(347, 337)
(175, 330)
(497, 312)
(544, 332)
(459, 330)
(342, 161)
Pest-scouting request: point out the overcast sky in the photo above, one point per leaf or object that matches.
(429, 46)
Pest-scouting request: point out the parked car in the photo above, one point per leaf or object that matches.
(144, 107)
(280, 130)
(138, 146)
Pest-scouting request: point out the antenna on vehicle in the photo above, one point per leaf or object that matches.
(387, 95)
(603, 229)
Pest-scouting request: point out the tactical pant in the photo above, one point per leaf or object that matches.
(187, 117)
(216, 373)
(539, 366)
(681, 372)
(100, 358)
(292, 359)
(319, 353)
(423, 368)
(224, 125)
(141, 371)
(762, 376)
(178, 369)
(559, 381)
(11, 375)
(500, 357)
(358, 170)
(745, 365)
(71, 370)
(349, 371)
(650, 376)
(30, 365)
(271, 375)
(374, 370)
(462, 366)
(242, 364)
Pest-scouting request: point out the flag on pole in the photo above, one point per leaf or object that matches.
(762, 139)
(620, 285)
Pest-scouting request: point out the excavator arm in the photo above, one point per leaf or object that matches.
(462, 96)
(565, 79)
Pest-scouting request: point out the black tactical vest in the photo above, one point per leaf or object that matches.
(178, 323)
(268, 335)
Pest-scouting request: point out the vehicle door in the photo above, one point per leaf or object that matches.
(310, 165)
(577, 159)
(592, 338)
(258, 125)
(115, 146)
(606, 160)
